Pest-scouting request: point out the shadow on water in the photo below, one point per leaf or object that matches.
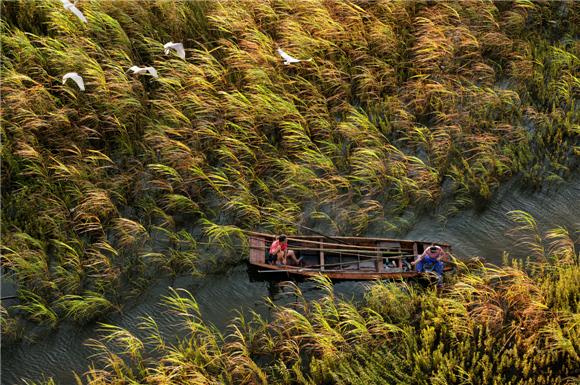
(471, 233)
(274, 280)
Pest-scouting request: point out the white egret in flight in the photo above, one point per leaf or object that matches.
(289, 59)
(176, 46)
(139, 70)
(74, 76)
(70, 6)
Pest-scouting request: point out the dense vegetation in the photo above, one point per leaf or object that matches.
(405, 107)
(515, 325)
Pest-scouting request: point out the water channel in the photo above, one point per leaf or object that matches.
(475, 232)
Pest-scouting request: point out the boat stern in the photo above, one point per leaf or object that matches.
(257, 249)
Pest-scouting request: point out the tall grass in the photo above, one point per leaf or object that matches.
(490, 325)
(400, 100)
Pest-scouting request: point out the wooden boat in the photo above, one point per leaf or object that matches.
(351, 258)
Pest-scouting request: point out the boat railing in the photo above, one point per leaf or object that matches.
(367, 258)
(378, 255)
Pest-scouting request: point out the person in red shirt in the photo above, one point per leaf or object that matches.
(279, 250)
(432, 255)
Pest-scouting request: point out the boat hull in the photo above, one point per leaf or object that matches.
(355, 259)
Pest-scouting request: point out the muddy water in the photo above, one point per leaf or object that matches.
(472, 233)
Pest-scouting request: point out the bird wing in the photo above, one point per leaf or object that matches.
(152, 71)
(286, 56)
(177, 47)
(74, 76)
(79, 81)
(78, 13)
(180, 50)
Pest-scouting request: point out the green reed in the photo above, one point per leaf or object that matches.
(405, 107)
(480, 329)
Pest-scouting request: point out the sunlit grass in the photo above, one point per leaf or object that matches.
(400, 100)
(400, 332)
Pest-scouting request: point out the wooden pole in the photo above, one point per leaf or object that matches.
(287, 271)
(345, 251)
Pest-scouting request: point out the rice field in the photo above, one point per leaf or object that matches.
(405, 108)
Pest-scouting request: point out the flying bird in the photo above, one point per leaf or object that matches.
(139, 70)
(68, 5)
(176, 46)
(74, 76)
(289, 59)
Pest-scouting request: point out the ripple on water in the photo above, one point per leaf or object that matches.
(62, 352)
(484, 232)
(471, 233)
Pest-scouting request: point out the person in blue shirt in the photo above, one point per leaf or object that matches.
(432, 255)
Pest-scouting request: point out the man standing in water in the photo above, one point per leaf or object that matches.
(433, 255)
(279, 249)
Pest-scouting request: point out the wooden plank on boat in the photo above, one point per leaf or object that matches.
(415, 253)
(379, 263)
(392, 273)
(400, 261)
(257, 250)
(321, 259)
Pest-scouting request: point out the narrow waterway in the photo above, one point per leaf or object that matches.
(472, 233)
